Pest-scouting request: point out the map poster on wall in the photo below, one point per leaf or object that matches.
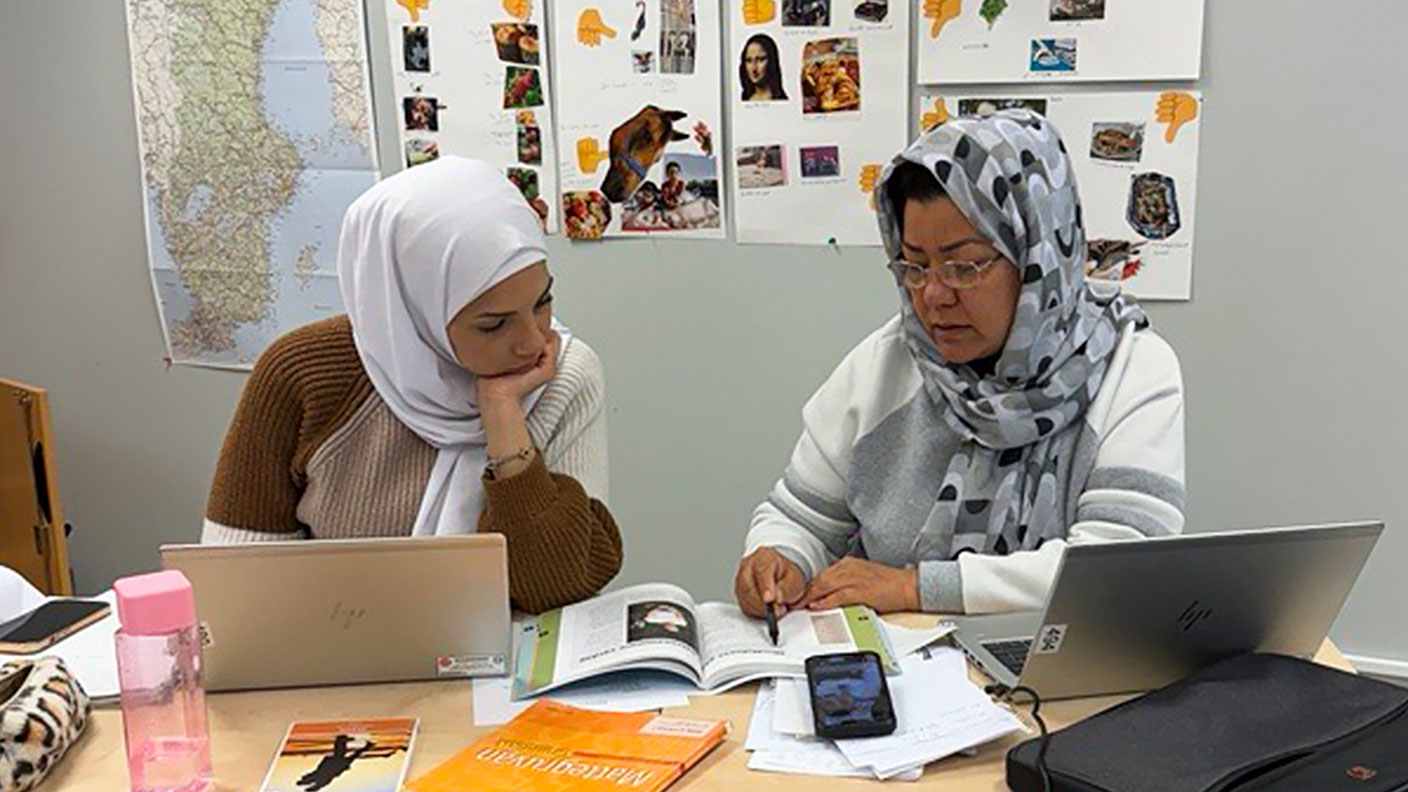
(471, 79)
(1011, 41)
(1135, 156)
(639, 117)
(254, 128)
(818, 109)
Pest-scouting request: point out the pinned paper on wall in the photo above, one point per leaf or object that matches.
(997, 41)
(640, 114)
(1135, 156)
(471, 79)
(815, 115)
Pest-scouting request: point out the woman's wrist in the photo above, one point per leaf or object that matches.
(506, 467)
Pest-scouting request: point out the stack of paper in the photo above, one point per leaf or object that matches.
(939, 712)
(782, 752)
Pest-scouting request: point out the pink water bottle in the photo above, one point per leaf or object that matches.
(159, 671)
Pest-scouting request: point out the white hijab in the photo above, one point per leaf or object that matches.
(415, 249)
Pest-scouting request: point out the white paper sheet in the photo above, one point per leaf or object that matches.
(939, 711)
(776, 752)
(17, 595)
(1116, 142)
(639, 117)
(1013, 41)
(907, 640)
(621, 692)
(472, 79)
(815, 108)
(89, 654)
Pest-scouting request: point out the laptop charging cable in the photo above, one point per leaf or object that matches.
(1008, 695)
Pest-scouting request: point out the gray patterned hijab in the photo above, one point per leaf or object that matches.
(1006, 487)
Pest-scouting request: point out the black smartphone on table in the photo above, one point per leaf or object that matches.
(849, 696)
(48, 624)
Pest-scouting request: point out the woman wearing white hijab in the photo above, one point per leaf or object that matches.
(447, 400)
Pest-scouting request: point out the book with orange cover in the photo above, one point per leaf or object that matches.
(554, 747)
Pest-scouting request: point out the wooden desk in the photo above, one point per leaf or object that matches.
(246, 729)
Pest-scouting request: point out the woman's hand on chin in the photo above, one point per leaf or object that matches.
(514, 386)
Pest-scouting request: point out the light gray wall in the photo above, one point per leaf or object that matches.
(1292, 348)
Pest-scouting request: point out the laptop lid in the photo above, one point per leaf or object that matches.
(284, 614)
(1131, 616)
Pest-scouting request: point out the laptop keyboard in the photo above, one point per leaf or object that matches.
(1012, 654)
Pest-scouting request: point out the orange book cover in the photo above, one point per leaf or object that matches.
(552, 747)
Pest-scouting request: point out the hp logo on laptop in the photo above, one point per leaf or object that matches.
(1193, 614)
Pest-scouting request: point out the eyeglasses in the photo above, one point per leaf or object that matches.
(953, 273)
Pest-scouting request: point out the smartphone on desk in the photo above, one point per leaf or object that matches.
(849, 696)
(48, 624)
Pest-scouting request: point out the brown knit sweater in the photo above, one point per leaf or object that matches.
(313, 452)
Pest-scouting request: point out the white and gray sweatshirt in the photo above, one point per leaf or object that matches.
(867, 469)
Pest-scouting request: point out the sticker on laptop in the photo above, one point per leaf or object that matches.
(1049, 639)
(469, 665)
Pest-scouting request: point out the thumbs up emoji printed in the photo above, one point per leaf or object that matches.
(933, 118)
(759, 12)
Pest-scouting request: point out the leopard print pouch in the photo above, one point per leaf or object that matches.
(44, 711)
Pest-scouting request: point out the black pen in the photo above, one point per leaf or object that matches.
(771, 615)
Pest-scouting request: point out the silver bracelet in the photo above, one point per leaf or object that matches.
(492, 467)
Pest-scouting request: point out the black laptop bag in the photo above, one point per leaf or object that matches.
(1259, 722)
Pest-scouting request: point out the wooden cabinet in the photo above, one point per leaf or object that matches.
(33, 540)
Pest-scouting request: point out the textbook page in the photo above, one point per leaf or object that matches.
(651, 626)
(736, 648)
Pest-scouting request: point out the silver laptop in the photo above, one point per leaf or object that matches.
(1132, 616)
(284, 614)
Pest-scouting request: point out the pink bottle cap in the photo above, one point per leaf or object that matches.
(156, 603)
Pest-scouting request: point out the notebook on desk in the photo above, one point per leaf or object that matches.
(289, 614)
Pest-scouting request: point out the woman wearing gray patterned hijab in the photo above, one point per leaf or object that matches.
(1009, 409)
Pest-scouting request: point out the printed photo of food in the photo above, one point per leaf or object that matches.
(517, 42)
(530, 139)
(1117, 142)
(1153, 205)
(521, 88)
(526, 180)
(831, 76)
(585, 214)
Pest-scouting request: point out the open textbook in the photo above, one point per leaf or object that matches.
(658, 626)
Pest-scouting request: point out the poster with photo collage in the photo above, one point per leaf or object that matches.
(819, 105)
(640, 117)
(1014, 41)
(471, 79)
(1135, 155)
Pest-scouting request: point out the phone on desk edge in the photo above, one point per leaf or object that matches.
(849, 696)
(48, 624)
